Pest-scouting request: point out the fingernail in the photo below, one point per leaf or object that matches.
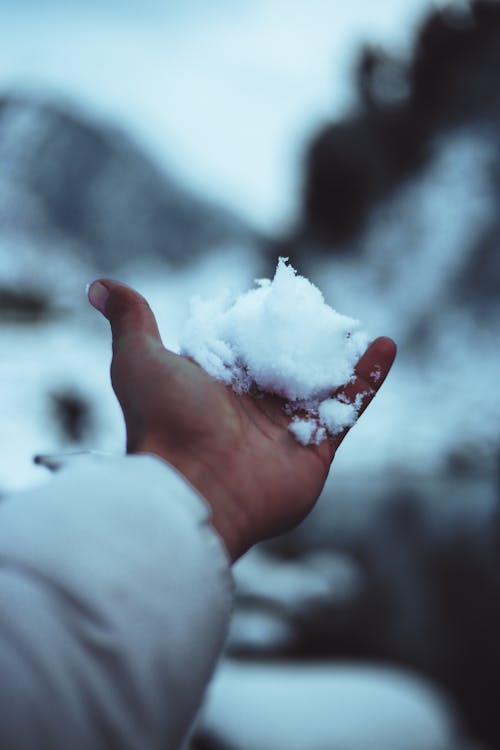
(98, 295)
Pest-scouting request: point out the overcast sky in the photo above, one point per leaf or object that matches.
(224, 93)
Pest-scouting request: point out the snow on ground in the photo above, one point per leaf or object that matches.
(272, 593)
(441, 398)
(295, 586)
(339, 707)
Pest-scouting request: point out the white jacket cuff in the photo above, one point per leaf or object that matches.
(115, 596)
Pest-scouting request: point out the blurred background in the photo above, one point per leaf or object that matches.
(182, 147)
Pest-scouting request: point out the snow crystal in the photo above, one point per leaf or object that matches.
(336, 415)
(307, 431)
(303, 429)
(283, 339)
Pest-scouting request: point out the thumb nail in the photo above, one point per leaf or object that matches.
(98, 295)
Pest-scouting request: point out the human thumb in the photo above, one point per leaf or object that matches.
(129, 314)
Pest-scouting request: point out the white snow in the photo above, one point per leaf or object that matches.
(258, 630)
(403, 271)
(336, 415)
(273, 595)
(336, 706)
(306, 431)
(284, 339)
(294, 587)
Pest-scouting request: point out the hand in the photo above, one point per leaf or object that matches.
(235, 449)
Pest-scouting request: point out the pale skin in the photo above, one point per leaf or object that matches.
(236, 450)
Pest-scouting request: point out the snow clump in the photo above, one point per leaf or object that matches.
(281, 338)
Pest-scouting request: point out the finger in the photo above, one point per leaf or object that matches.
(129, 314)
(369, 374)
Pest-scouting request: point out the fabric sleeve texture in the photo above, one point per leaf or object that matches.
(115, 594)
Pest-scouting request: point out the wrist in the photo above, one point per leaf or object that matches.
(227, 518)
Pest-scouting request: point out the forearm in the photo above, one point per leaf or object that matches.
(122, 594)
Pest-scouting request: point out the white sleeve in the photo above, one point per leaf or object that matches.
(115, 594)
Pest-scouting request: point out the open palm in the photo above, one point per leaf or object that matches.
(235, 449)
